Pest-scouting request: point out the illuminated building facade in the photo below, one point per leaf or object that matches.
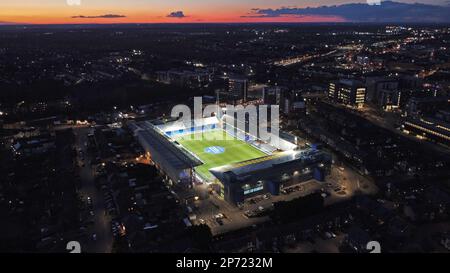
(431, 129)
(238, 182)
(348, 92)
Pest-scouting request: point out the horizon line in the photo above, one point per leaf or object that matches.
(222, 23)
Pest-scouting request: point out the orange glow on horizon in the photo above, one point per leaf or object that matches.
(130, 20)
(57, 16)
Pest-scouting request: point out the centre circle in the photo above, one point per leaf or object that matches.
(215, 150)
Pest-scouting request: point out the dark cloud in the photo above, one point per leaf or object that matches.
(176, 14)
(106, 16)
(388, 11)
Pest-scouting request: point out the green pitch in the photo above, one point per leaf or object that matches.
(234, 150)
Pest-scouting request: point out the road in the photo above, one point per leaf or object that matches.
(101, 226)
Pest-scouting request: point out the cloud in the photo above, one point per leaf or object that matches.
(176, 14)
(271, 13)
(104, 16)
(388, 11)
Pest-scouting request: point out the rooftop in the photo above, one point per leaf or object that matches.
(264, 163)
(149, 137)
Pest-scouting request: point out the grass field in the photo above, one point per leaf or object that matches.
(234, 150)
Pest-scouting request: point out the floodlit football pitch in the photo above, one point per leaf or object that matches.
(216, 148)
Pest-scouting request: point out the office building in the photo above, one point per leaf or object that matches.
(348, 92)
(238, 88)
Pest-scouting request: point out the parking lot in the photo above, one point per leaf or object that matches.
(223, 217)
(315, 244)
(205, 207)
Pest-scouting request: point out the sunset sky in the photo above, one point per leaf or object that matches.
(159, 11)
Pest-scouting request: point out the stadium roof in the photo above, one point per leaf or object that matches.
(263, 163)
(181, 125)
(152, 140)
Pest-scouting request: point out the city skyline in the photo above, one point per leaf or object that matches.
(188, 138)
(200, 11)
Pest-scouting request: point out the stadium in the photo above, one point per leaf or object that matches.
(237, 164)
